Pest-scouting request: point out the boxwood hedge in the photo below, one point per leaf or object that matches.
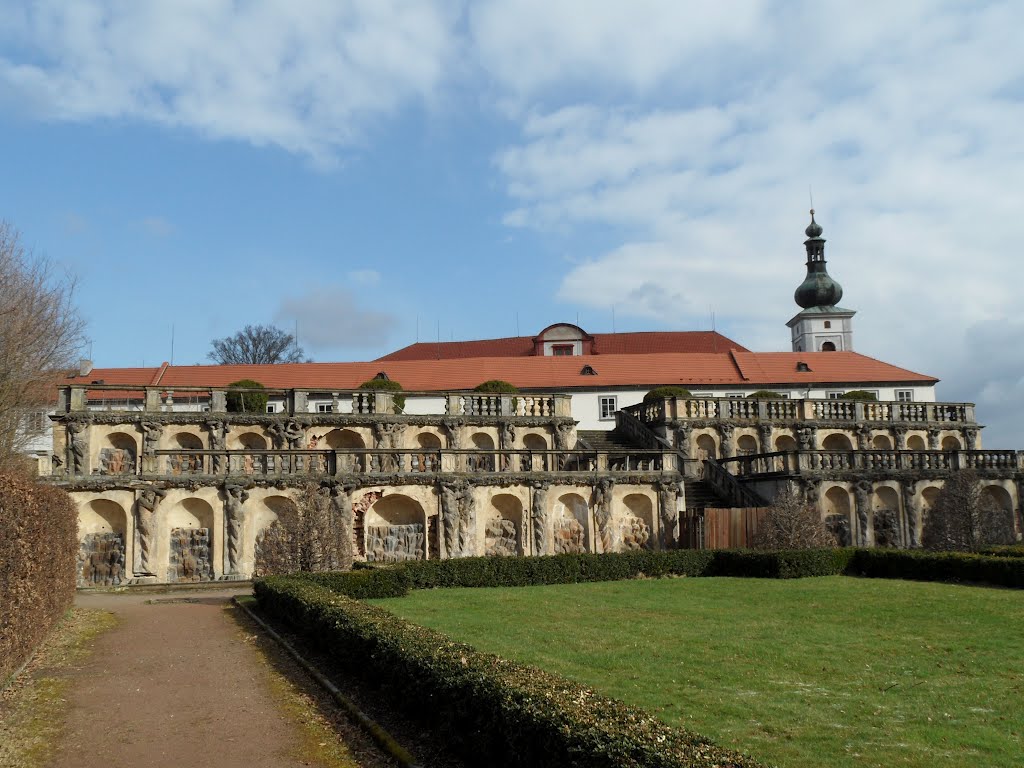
(489, 710)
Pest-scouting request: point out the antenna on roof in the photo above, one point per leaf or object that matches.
(517, 323)
(613, 318)
(417, 328)
(810, 194)
(172, 343)
(295, 338)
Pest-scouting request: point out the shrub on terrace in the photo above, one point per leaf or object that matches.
(247, 402)
(496, 387)
(660, 393)
(387, 385)
(858, 394)
(765, 394)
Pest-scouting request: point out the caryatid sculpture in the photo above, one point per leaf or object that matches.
(235, 497)
(145, 526)
(78, 446)
(668, 496)
(538, 518)
(603, 514)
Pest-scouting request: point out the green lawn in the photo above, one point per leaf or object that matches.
(829, 671)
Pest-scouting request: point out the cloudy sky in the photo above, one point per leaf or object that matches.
(380, 171)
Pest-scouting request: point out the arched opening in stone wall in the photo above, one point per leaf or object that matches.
(344, 440)
(570, 524)
(428, 459)
(394, 530)
(916, 443)
(837, 442)
(503, 532)
(1000, 523)
(885, 517)
(950, 443)
(481, 462)
(535, 442)
(636, 523)
(881, 443)
(190, 526)
(186, 463)
(785, 443)
(117, 457)
(837, 509)
(252, 441)
(929, 496)
(275, 524)
(706, 448)
(828, 346)
(746, 446)
(102, 525)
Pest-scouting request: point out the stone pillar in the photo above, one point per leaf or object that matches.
(78, 400)
(151, 400)
(218, 401)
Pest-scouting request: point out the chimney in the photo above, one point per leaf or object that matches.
(84, 367)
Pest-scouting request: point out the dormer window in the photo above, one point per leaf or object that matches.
(563, 350)
(588, 370)
(803, 367)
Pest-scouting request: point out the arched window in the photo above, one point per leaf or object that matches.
(828, 346)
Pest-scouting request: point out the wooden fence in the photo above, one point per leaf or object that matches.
(720, 528)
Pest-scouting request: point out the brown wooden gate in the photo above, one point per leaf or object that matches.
(731, 528)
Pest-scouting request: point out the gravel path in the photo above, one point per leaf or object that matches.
(175, 685)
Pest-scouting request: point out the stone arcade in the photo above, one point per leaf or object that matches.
(172, 487)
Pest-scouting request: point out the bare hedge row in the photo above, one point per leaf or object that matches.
(38, 558)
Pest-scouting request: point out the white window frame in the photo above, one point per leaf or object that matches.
(904, 395)
(603, 414)
(734, 394)
(271, 408)
(834, 395)
(325, 407)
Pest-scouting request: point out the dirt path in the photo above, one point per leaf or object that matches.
(174, 685)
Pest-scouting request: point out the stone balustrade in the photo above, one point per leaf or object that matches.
(665, 410)
(816, 462)
(378, 461)
(363, 402)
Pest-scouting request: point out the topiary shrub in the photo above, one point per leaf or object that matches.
(765, 394)
(858, 394)
(387, 385)
(660, 393)
(247, 402)
(496, 387)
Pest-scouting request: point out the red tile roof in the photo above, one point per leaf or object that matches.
(734, 368)
(648, 342)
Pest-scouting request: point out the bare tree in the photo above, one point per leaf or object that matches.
(965, 518)
(314, 536)
(41, 334)
(792, 523)
(257, 345)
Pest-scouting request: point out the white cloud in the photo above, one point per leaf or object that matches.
(307, 77)
(330, 317)
(157, 226)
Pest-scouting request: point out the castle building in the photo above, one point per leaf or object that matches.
(175, 482)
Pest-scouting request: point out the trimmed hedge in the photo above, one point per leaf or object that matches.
(787, 564)
(247, 402)
(1004, 550)
(668, 390)
(38, 560)
(387, 385)
(491, 711)
(938, 566)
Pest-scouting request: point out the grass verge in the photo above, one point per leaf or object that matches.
(832, 671)
(32, 708)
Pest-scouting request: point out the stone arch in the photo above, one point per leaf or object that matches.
(275, 524)
(428, 460)
(534, 442)
(881, 443)
(570, 524)
(786, 443)
(706, 447)
(345, 440)
(637, 523)
(999, 496)
(191, 535)
(188, 441)
(916, 443)
(929, 496)
(394, 530)
(838, 509)
(885, 509)
(481, 441)
(185, 463)
(951, 443)
(828, 346)
(252, 441)
(117, 456)
(837, 441)
(1001, 520)
(504, 526)
(102, 526)
(746, 445)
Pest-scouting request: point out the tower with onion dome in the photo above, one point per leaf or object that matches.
(821, 325)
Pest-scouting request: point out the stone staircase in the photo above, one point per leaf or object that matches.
(698, 493)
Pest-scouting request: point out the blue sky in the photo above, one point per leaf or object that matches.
(366, 168)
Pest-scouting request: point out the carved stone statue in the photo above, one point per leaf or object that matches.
(467, 522)
(726, 430)
(900, 438)
(277, 437)
(910, 510)
(683, 432)
(341, 503)
(78, 446)
(668, 497)
(538, 518)
(454, 428)
(764, 433)
(862, 494)
(450, 514)
(235, 497)
(145, 526)
(811, 489)
(863, 437)
(218, 442)
(933, 438)
(805, 437)
(562, 433)
(294, 434)
(971, 438)
(603, 514)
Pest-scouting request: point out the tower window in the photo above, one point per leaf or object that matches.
(828, 346)
(562, 350)
(828, 323)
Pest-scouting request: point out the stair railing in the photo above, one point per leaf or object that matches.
(642, 435)
(729, 488)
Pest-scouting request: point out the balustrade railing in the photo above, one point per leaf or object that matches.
(726, 486)
(377, 461)
(800, 462)
(838, 411)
